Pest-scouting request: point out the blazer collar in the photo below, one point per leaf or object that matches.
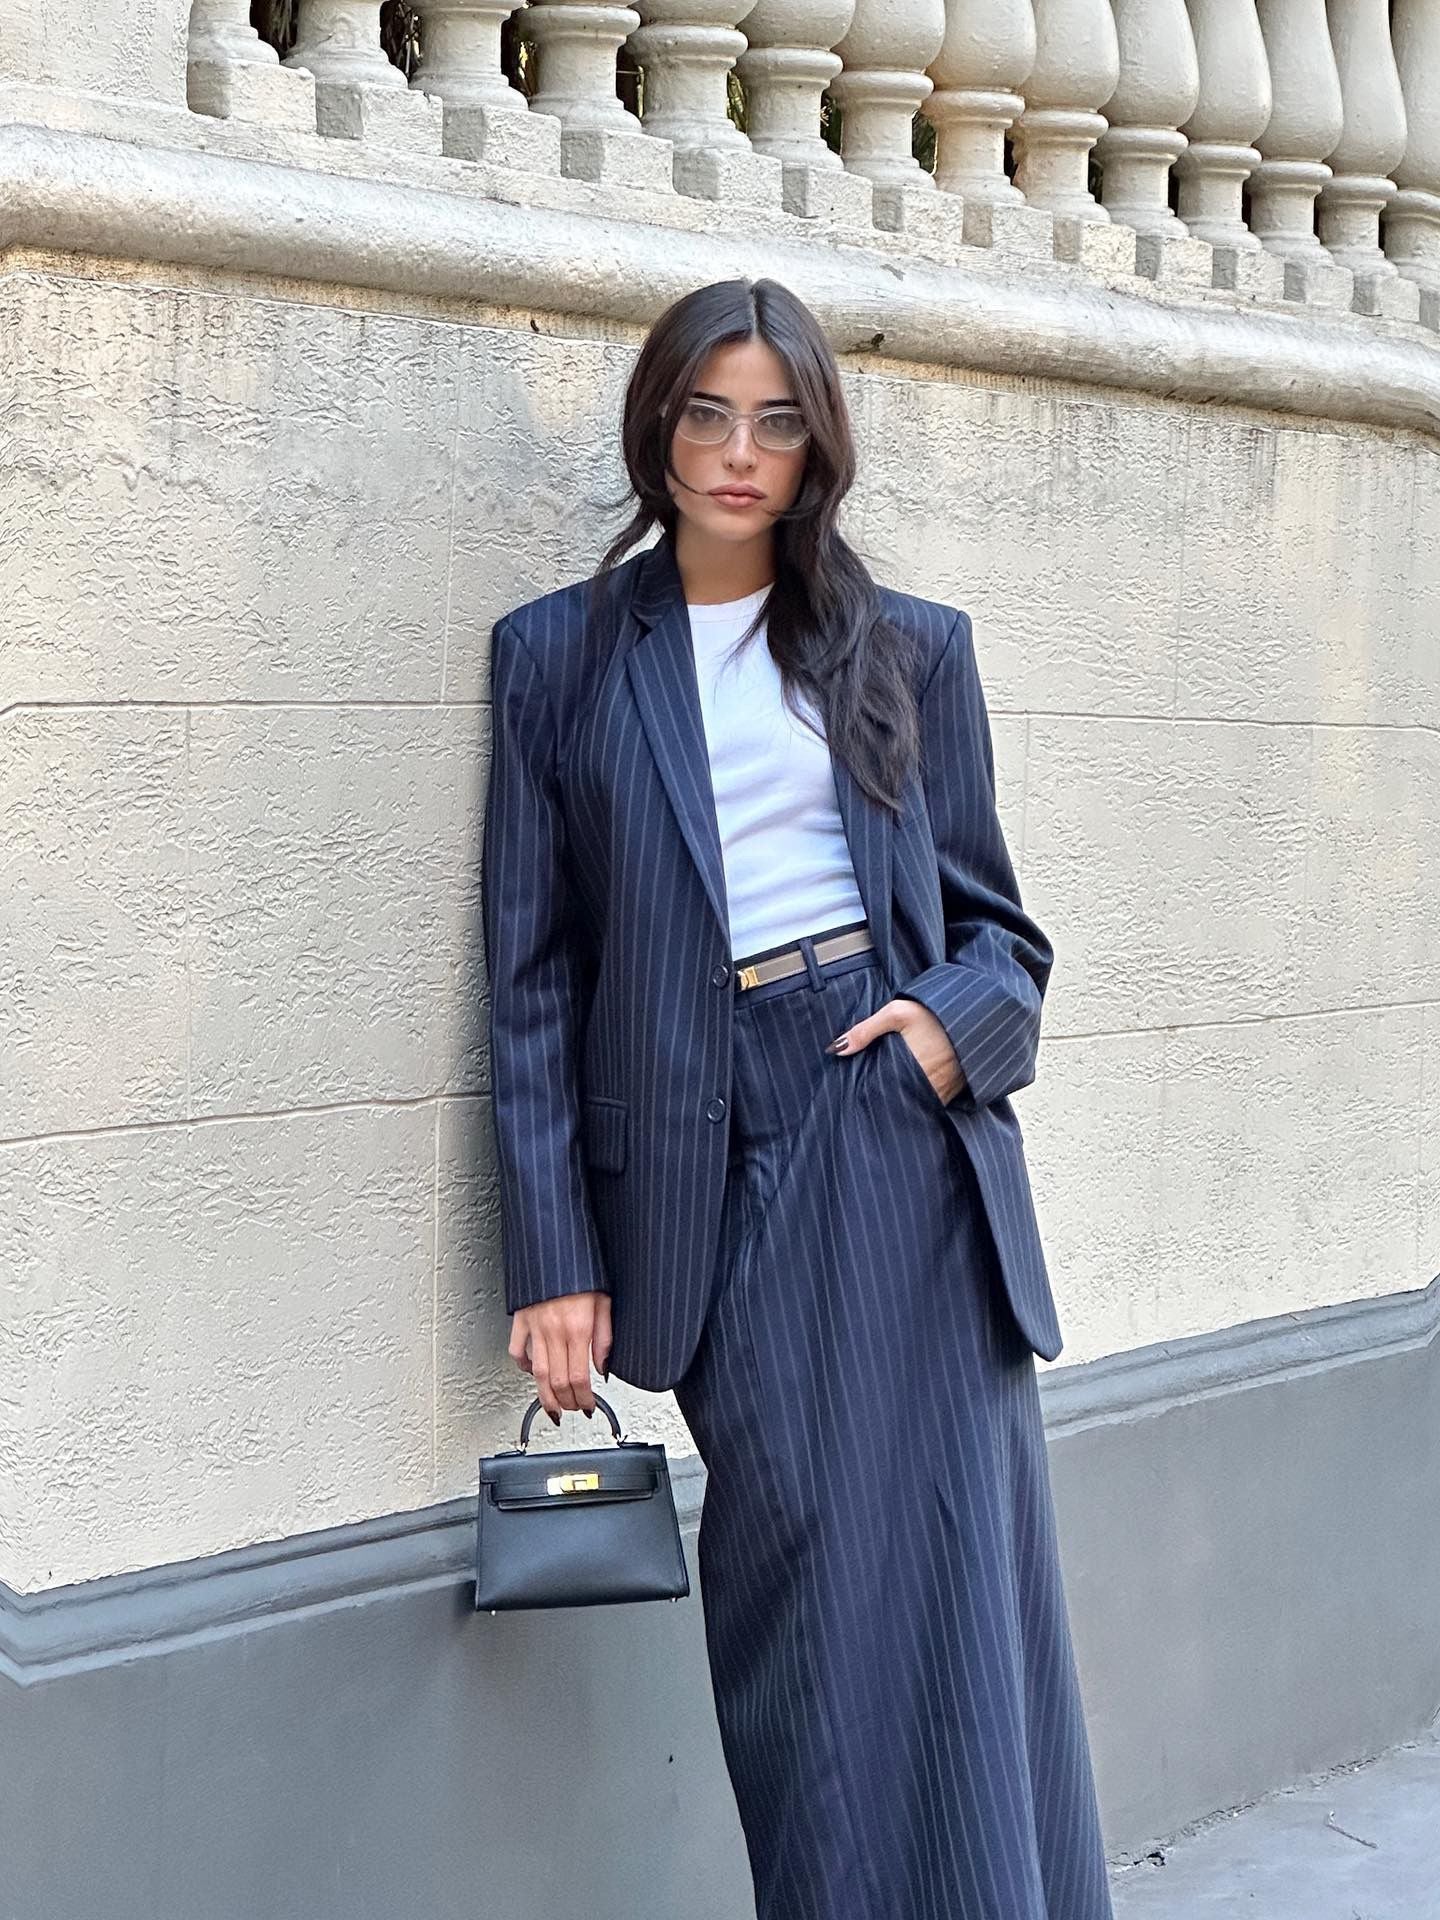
(660, 662)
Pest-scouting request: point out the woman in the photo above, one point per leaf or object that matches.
(761, 985)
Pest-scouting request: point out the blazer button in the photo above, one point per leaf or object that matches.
(716, 1109)
(721, 976)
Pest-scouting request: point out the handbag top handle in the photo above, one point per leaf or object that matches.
(534, 1408)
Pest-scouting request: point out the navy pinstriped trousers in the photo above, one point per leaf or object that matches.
(885, 1623)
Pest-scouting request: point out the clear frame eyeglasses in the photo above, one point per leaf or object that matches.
(709, 423)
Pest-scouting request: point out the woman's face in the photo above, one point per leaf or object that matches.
(746, 375)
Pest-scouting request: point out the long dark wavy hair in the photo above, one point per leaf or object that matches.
(828, 635)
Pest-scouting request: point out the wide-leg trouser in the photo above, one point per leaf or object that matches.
(885, 1622)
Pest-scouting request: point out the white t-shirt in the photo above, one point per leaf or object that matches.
(788, 869)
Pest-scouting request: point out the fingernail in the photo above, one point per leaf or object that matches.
(604, 1373)
(555, 1418)
(588, 1412)
(839, 1045)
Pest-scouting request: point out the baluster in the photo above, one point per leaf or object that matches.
(1077, 63)
(235, 75)
(1232, 109)
(485, 118)
(1158, 86)
(359, 95)
(1355, 196)
(1412, 220)
(987, 52)
(574, 44)
(785, 69)
(886, 51)
(687, 48)
(1306, 119)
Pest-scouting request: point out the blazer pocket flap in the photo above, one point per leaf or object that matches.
(605, 1128)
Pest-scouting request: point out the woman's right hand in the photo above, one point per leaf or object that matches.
(552, 1342)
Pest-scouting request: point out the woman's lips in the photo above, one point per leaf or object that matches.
(737, 499)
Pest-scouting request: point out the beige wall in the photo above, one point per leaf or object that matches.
(255, 541)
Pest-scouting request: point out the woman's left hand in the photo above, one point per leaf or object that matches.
(920, 1031)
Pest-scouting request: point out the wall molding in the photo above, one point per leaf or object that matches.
(71, 191)
(1145, 1380)
(156, 1609)
(129, 1616)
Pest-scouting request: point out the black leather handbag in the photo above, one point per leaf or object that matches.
(577, 1527)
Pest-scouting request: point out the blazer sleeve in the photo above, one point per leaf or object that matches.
(536, 988)
(988, 990)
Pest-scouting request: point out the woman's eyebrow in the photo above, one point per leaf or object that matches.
(698, 393)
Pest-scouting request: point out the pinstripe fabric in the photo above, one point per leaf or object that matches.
(612, 999)
(886, 1625)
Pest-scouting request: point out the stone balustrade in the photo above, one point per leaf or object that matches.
(1270, 151)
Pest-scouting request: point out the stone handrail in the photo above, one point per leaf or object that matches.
(1304, 142)
(87, 196)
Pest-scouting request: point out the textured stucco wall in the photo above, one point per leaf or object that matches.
(131, 50)
(255, 542)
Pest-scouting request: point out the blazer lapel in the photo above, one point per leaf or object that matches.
(661, 666)
(660, 663)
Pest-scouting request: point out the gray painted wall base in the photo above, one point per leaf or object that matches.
(1251, 1534)
(324, 1727)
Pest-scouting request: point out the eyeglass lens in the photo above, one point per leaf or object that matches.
(779, 428)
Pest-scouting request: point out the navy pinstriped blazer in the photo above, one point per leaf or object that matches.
(608, 955)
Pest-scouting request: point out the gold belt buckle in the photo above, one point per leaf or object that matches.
(749, 976)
